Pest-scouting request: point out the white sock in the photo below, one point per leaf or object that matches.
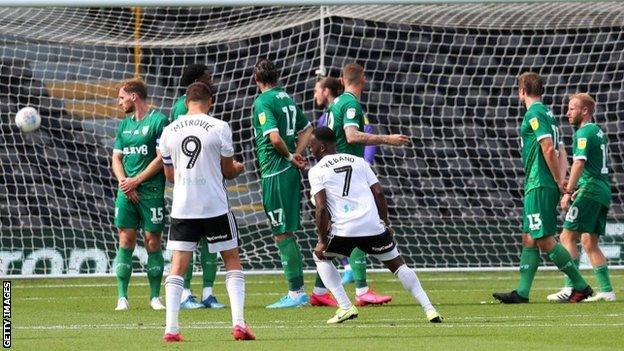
(361, 291)
(235, 285)
(331, 278)
(206, 292)
(185, 294)
(412, 284)
(319, 291)
(296, 294)
(347, 267)
(174, 284)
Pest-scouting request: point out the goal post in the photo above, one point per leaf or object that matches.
(442, 72)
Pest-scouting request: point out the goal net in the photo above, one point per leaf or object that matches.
(443, 74)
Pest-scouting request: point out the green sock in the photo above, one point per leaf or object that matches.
(189, 274)
(602, 275)
(123, 270)
(357, 260)
(155, 267)
(561, 258)
(290, 254)
(529, 261)
(319, 282)
(567, 280)
(208, 262)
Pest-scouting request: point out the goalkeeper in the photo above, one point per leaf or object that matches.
(197, 73)
(140, 199)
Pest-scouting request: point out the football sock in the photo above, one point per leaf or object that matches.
(208, 263)
(123, 270)
(602, 275)
(360, 291)
(206, 292)
(235, 285)
(410, 282)
(529, 261)
(185, 294)
(155, 266)
(328, 272)
(568, 282)
(561, 258)
(319, 287)
(290, 255)
(357, 261)
(174, 284)
(189, 273)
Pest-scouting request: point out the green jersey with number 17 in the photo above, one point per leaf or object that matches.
(275, 111)
(590, 144)
(137, 142)
(538, 123)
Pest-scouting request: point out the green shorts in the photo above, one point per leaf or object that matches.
(148, 214)
(540, 212)
(281, 198)
(586, 216)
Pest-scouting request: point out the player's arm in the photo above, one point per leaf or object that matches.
(153, 168)
(165, 156)
(118, 168)
(282, 149)
(552, 160)
(169, 173)
(303, 139)
(231, 168)
(354, 136)
(563, 161)
(580, 157)
(380, 201)
(321, 218)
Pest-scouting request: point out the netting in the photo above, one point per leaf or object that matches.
(443, 74)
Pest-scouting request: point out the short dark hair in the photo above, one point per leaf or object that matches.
(135, 86)
(195, 72)
(325, 135)
(531, 82)
(265, 72)
(333, 84)
(198, 91)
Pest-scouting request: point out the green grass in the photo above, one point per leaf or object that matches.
(78, 314)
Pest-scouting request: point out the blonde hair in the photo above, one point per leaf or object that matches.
(352, 73)
(586, 101)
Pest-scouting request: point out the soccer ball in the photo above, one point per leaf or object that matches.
(27, 119)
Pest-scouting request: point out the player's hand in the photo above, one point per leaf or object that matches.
(562, 186)
(565, 201)
(299, 161)
(574, 195)
(390, 230)
(398, 140)
(319, 250)
(239, 167)
(133, 196)
(129, 184)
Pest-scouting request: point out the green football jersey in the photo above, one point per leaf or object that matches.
(275, 111)
(538, 123)
(178, 109)
(137, 142)
(345, 111)
(590, 144)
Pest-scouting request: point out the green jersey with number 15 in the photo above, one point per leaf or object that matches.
(275, 111)
(538, 123)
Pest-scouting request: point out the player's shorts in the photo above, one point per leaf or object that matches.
(220, 232)
(381, 246)
(148, 214)
(540, 212)
(586, 216)
(281, 198)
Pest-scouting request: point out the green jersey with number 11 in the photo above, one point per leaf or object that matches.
(275, 111)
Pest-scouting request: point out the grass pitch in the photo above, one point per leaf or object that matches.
(78, 314)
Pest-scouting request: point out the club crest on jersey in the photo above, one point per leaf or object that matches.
(351, 113)
(534, 123)
(145, 130)
(262, 118)
(582, 143)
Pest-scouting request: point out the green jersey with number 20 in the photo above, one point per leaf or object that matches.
(538, 123)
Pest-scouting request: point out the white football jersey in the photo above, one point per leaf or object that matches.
(193, 145)
(346, 180)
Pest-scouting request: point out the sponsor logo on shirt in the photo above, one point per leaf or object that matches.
(127, 132)
(130, 150)
(262, 118)
(534, 123)
(351, 113)
(582, 143)
(145, 130)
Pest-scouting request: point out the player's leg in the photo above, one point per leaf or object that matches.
(320, 294)
(188, 301)
(127, 220)
(152, 217)
(208, 262)
(337, 246)
(282, 203)
(589, 240)
(363, 294)
(568, 239)
(183, 237)
(347, 277)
